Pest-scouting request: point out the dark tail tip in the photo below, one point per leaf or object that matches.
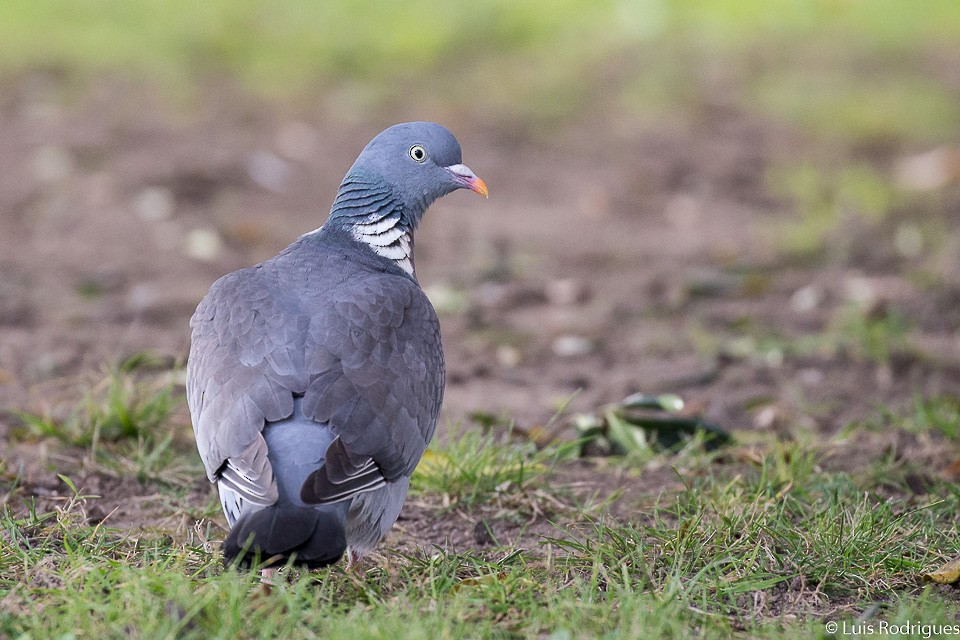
(313, 538)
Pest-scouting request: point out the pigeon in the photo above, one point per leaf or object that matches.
(315, 378)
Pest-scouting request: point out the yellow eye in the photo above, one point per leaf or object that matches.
(418, 153)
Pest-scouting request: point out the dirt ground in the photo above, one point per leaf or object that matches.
(613, 256)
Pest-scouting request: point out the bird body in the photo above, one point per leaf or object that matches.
(315, 378)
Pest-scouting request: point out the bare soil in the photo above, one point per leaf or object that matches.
(613, 256)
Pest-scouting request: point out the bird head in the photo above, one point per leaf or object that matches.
(419, 162)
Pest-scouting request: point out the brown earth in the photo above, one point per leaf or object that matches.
(613, 256)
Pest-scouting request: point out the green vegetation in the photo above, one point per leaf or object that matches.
(939, 415)
(769, 535)
(475, 468)
(119, 406)
(540, 59)
(283, 47)
(125, 425)
(772, 545)
(827, 202)
(876, 335)
(721, 557)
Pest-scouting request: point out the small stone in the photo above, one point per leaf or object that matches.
(860, 291)
(767, 417)
(566, 292)
(811, 377)
(683, 212)
(268, 170)
(594, 201)
(52, 163)
(773, 358)
(908, 240)
(142, 296)
(568, 346)
(930, 170)
(806, 299)
(203, 244)
(154, 203)
(508, 356)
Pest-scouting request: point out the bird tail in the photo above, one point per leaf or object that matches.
(310, 536)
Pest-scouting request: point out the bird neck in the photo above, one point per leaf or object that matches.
(371, 213)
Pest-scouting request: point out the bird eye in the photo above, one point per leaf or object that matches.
(418, 153)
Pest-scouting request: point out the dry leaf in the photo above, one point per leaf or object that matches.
(947, 574)
(951, 472)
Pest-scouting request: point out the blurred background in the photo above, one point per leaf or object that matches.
(752, 203)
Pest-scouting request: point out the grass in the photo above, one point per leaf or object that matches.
(724, 557)
(825, 200)
(800, 63)
(937, 415)
(761, 540)
(119, 406)
(876, 335)
(125, 425)
(772, 539)
(476, 468)
(899, 106)
(280, 49)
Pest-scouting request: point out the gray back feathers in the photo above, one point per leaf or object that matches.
(316, 377)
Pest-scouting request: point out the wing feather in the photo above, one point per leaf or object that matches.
(364, 353)
(385, 406)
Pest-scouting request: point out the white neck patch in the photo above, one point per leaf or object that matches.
(389, 239)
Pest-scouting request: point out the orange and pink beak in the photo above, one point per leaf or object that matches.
(468, 179)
